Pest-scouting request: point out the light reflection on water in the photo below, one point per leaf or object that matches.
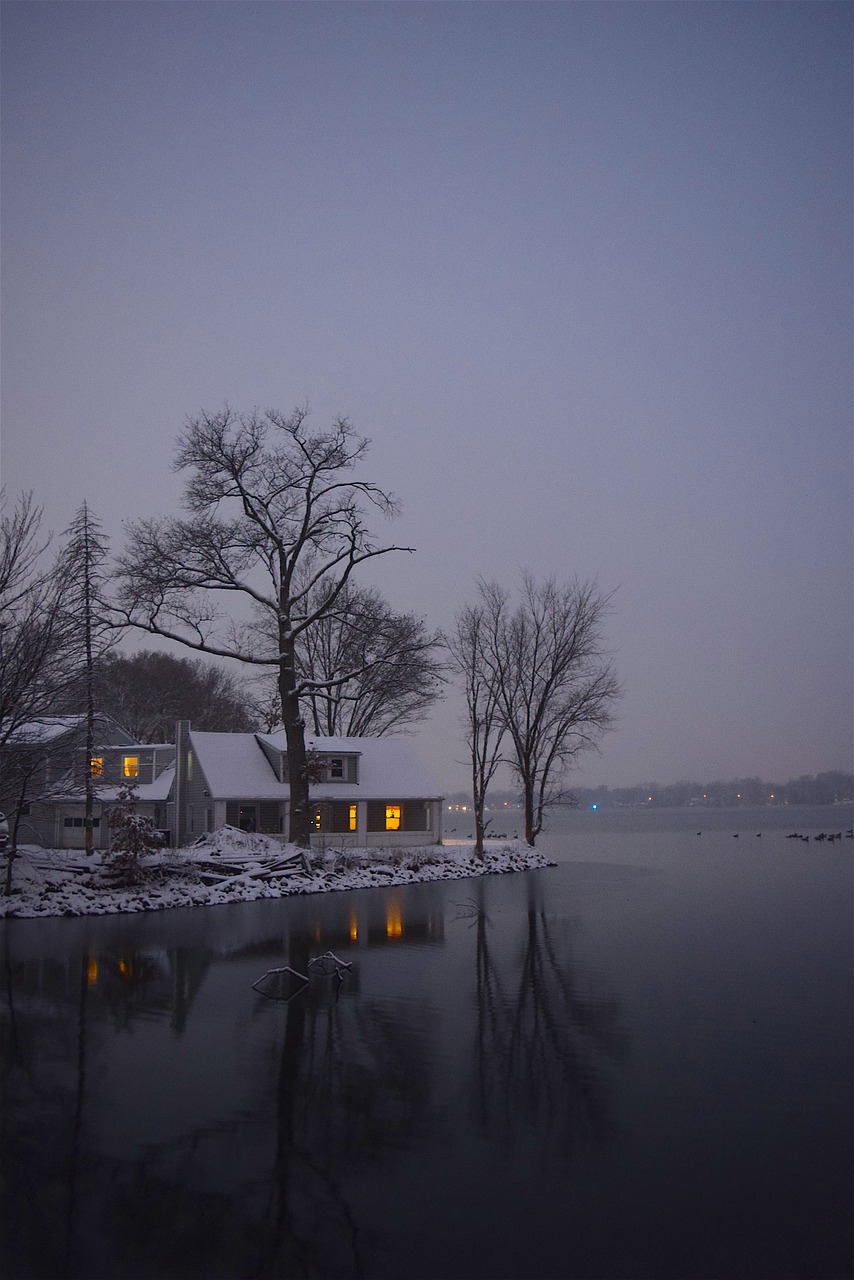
(636, 1063)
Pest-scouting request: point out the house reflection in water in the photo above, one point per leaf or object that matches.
(141, 983)
(378, 923)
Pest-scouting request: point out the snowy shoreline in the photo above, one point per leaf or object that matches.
(232, 867)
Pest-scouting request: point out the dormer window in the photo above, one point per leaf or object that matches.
(336, 768)
(130, 767)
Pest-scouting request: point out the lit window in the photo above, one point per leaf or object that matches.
(96, 766)
(392, 817)
(352, 817)
(317, 819)
(131, 767)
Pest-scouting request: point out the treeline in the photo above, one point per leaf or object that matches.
(831, 787)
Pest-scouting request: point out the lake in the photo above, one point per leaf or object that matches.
(636, 1063)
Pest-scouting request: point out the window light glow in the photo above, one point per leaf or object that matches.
(92, 971)
(96, 766)
(392, 817)
(131, 767)
(393, 921)
(352, 817)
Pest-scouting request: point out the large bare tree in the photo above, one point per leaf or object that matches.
(485, 716)
(393, 663)
(277, 518)
(547, 663)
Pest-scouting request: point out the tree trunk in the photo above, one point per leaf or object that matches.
(478, 798)
(12, 848)
(532, 826)
(299, 828)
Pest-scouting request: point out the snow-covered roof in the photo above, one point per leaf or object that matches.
(158, 790)
(46, 729)
(389, 768)
(235, 767)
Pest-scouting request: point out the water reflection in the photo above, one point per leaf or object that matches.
(540, 1040)
(179, 1124)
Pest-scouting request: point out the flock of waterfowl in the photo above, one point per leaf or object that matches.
(829, 836)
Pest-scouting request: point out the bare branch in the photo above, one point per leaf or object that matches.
(276, 519)
(546, 663)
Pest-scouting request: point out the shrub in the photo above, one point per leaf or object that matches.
(132, 836)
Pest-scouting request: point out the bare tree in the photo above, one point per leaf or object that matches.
(36, 636)
(147, 691)
(265, 705)
(485, 717)
(81, 569)
(22, 772)
(389, 662)
(296, 537)
(553, 679)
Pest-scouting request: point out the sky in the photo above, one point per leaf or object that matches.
(581, 272)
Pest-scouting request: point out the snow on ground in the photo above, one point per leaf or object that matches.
(234, 866)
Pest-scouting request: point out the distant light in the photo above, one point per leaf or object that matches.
(594, 807)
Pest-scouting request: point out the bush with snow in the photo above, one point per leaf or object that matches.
(132, 837)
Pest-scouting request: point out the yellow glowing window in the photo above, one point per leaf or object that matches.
(317, 819)
(92, 971)
(131, 767)
(352, 817)
(392, 817)
(96, 766)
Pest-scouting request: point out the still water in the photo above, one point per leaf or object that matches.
(636, 1063)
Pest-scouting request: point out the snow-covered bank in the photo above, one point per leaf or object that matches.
(231, 866)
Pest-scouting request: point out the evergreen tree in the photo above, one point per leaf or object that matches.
(82, 569)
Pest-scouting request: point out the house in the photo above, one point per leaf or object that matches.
(366, 791)
(43, 774)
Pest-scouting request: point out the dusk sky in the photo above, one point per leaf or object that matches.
(582, 272)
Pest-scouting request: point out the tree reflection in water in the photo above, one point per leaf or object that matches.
(540, 1041)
